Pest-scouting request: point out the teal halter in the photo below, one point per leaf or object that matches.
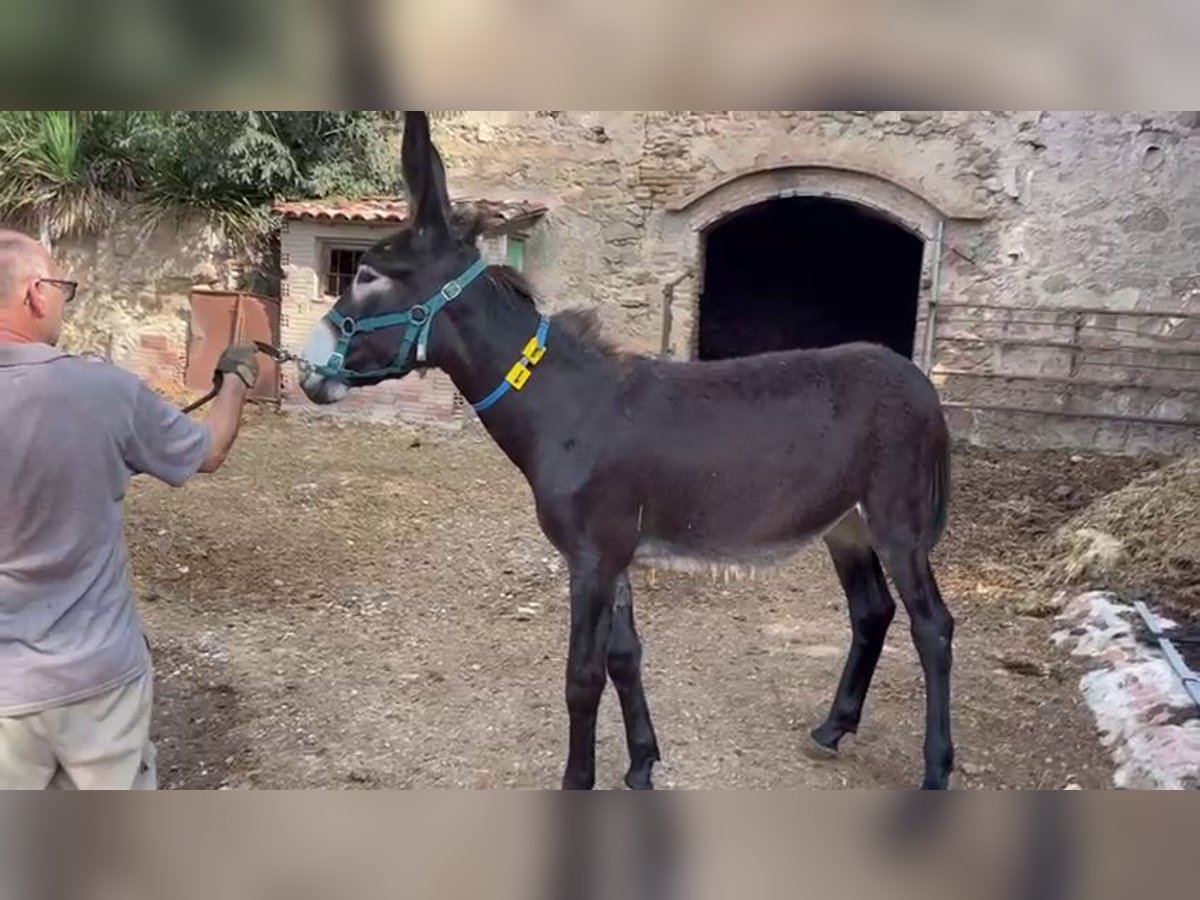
(416, 321)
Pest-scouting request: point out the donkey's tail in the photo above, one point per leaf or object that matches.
(940, 494)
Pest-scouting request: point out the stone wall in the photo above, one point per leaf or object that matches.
(1065, 214)
(1069, 280)
(135, 287)
(1098, 212)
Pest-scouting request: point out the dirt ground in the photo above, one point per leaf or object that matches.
(369, 606)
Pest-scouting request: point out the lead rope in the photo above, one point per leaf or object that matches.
(276, 353)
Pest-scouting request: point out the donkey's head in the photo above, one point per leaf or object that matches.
(379, 326)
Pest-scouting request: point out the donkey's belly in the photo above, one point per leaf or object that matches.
(728, 514)
(732, 555)
(680, 558)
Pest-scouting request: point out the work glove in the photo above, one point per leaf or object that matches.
(239, 360)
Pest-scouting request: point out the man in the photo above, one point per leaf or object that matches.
(75, 674)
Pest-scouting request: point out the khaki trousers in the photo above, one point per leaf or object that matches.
(102, 743)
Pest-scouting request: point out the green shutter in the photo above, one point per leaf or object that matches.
(516, 253)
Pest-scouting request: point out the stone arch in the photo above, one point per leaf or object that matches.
(887, 196)
(924, 207)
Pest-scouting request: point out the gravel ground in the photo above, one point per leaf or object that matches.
(365, 606)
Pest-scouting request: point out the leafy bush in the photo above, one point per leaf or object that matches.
(62, 172)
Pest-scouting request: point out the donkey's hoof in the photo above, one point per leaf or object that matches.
(640, 776)
(639, 779)
(827, 736)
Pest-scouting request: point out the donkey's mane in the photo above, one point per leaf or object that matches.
(580, 323)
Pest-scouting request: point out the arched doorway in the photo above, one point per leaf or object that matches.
(794, 272)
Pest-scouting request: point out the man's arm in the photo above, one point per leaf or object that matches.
(172, 447)
(223, 422)
(238, 369)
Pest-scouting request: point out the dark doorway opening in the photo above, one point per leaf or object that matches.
(807, 272)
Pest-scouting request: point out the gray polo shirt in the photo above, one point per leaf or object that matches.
(72, 431)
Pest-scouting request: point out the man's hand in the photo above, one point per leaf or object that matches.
(240, 360)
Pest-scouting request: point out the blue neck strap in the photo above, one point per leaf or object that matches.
(520, 372)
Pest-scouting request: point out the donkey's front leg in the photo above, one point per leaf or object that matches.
(625, 669)
(592, 592)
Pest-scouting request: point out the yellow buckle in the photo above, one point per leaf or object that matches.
(533, 351)
(518, 375)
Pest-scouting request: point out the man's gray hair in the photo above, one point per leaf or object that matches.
(19, 256)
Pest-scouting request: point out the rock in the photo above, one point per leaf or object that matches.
(1057, 283)
(1061, 493)
(971, 770)
(205, 274)
(1042, 607)
(1153, 159)
(1153, 220)
(619, 232)
(209, 644)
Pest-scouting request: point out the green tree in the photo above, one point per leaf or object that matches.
(63, 172)
(230, 166)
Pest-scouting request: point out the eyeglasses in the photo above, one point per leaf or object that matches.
(67, 287)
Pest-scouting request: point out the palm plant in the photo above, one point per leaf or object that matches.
(62, 172)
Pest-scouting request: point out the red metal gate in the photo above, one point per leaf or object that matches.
(222, 318)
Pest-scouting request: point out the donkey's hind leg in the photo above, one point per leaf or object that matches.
(625, 669)
(933, 634)
(871, 612)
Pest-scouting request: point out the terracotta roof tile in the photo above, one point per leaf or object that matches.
(395, 209)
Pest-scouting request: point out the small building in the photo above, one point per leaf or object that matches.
(321, 243)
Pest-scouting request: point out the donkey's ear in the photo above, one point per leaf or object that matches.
(424, 175)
